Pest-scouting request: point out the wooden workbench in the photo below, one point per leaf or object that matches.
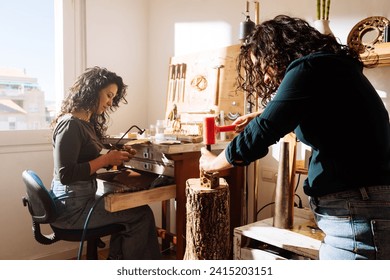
(185, 161)
(121, 201)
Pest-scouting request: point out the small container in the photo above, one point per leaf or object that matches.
(152, 130)
(386, 37)
(160, 129)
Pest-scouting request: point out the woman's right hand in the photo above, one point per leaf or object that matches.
(108, 160)
(242, 121)
(117, 157)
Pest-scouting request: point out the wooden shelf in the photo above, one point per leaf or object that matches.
(382, 50)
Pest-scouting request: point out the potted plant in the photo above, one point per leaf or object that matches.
(322, 21)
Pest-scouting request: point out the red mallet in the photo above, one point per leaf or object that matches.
(210, 130)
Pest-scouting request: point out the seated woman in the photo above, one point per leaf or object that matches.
(78, 131)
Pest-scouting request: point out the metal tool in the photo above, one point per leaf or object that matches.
(210, 129)
(183, 80)
(115, 146)
(216, 96)
(176, 83)
(170, 81)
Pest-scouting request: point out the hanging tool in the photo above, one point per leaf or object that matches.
(216, 96)
(176, 81)
(183, 81)
(171, 82)
(179, 82)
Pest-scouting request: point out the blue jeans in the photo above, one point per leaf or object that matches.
(356, 224)
(138, 241)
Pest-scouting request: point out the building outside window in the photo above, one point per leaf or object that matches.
(27, 64)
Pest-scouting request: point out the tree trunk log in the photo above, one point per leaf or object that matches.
(208, 221)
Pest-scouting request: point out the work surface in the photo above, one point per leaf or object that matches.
(167, 147)
(121, 201)
(181, 161)
(304, 239)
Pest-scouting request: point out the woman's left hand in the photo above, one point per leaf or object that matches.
(132, 152)
(206, 159)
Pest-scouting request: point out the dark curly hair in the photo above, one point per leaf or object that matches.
(84, 95)
(275, 44)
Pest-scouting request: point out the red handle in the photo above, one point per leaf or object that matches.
(226, 128)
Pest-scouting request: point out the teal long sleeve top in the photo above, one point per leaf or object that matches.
(333, 108)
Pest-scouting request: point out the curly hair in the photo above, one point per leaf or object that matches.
(84, 95)
(275, 44)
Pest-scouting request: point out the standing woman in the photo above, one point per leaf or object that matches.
(315, 86)
(77, 144)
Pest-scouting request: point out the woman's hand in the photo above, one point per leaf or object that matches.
(212, 163)
(130, 150)
(112, 158)
(205, 161)
(242, 121)
(117, 157)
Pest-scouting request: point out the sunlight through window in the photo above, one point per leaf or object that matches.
(198, 36)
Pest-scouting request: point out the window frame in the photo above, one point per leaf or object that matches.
(70, 60)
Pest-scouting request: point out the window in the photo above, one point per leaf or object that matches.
(197, 36)
(64, 21)
(27, 64)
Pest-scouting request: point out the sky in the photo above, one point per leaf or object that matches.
(27, 39)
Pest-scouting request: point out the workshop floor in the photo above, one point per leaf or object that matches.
(103, 254)
(169, 256)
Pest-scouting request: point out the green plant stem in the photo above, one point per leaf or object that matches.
(323, 8)
(327, 9)
(318, 9)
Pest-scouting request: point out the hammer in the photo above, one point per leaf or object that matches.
(216, 96)
(210, 129)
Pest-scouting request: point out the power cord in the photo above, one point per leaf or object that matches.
(295, 192)
(299, 205)
(87, 222)
(258, 212)
(115, 146)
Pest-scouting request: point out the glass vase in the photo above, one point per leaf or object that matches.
(322, 26)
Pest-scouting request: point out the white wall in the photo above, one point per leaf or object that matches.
(165, 13)
(135, 38)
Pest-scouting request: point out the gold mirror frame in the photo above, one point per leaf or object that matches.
(364, 28)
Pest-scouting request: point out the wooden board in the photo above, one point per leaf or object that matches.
(381, 51)
(207, 87)
(122, 201)
(302, 239)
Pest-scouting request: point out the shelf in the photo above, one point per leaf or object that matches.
(382, 50)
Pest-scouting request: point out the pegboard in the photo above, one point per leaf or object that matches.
(200, 85)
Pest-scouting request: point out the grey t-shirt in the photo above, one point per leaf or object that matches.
(75, 143)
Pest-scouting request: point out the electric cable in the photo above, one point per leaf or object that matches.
(258, 212)
(87, 222)
(297, 185)
(115, 146)
(295, 192)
